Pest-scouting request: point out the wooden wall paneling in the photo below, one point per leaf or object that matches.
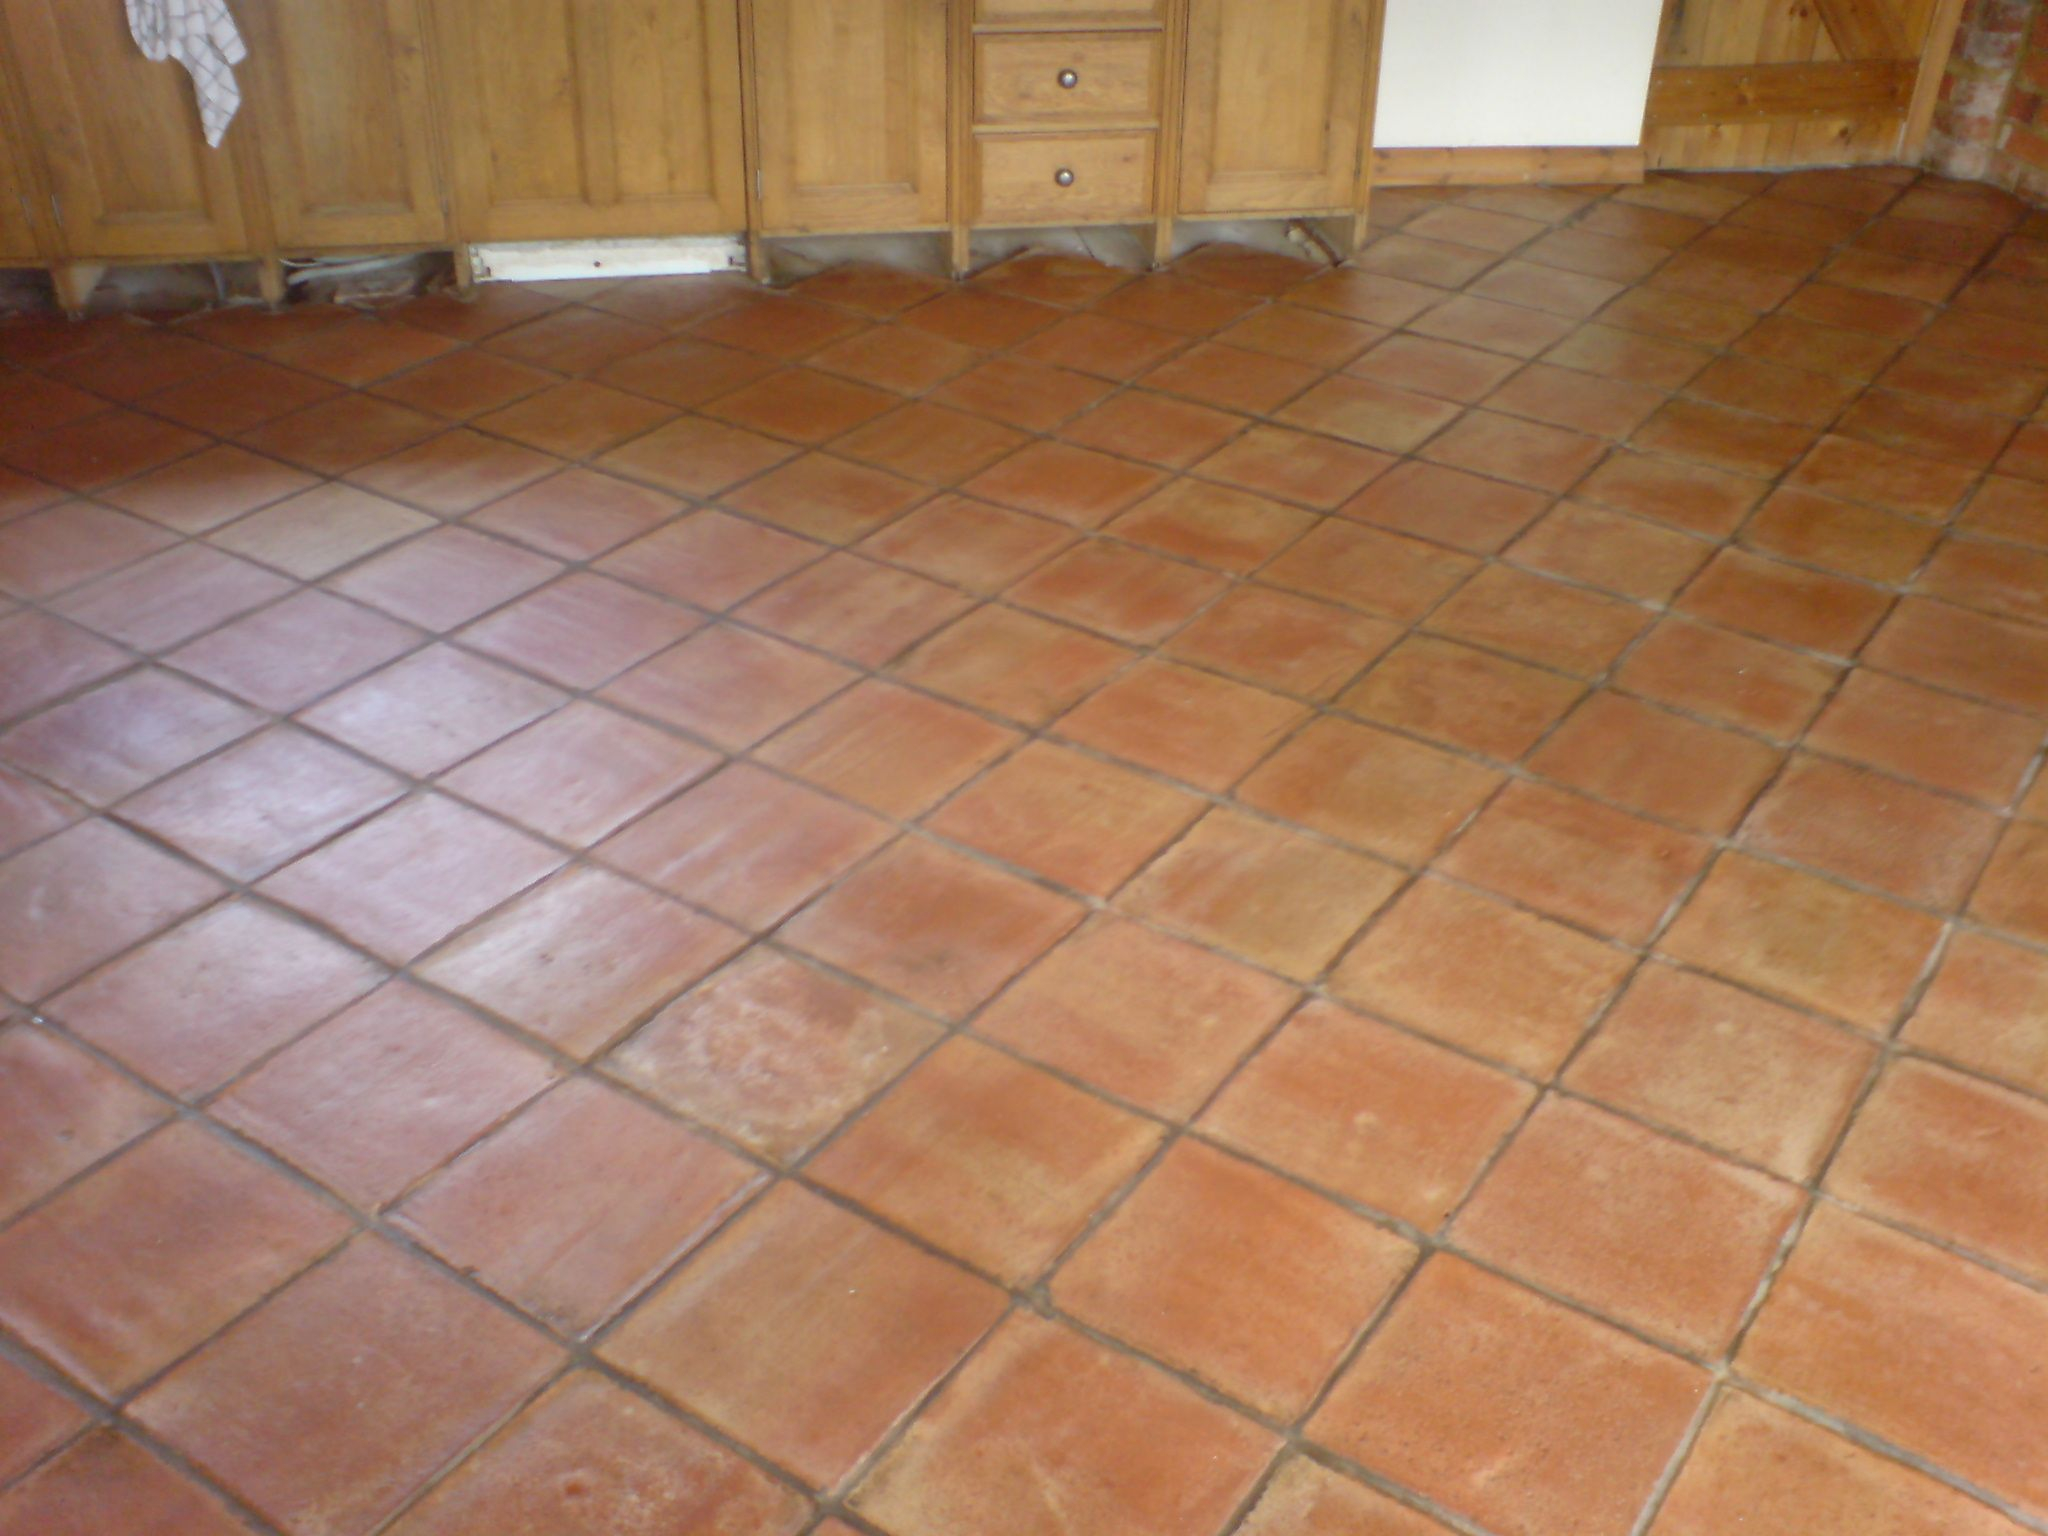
(128, 168)
(1275, 91)
(345, 122)
(592, 119)
(1509, 165)
(854, 129)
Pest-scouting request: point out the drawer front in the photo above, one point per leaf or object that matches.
(1108, 176)
(1023, 78)
(1067, 13)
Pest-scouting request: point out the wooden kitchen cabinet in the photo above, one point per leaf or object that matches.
(128, 167)
(344, 122)
(17, 206)
(1277, 115)
(592, 119)
(852, 103)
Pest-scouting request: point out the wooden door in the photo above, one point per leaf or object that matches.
(1749, 83)
(17, 199)
(852, 100)
(344, 121)
(1275, 115)
(128, 167)
(592, 119)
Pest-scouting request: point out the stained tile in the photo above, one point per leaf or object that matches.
(1988, 658)
(1719, 438)
(100, 450)
(1370, 414)
(42, 659)
(464, 385)
(1692, 497)
(29, 812)
(337, 435)
(1021, 394)
(1858, 471)
(65, 1111)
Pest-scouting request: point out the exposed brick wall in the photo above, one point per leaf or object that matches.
(1992, 120)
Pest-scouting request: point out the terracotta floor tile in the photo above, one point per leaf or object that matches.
(1785, 603)
(1281, 900)
(107, 1483)
(1213, 525)
(171, 596)
(905, 361)
(35, 1418)
(576, 420)
(1407, 1410)
(695, 457)
(854, 608)
(1757, 1464)
(2007, 508)
(1785, 338)
(337, 435)
(1126, 593)
(82, 896)
(361, 350)
(1794, 395)
(1071, 818)
(1383, 574)
(979, 318)
(1811, 529)
(1438, 263)
(1021, 394)
(469, 317)
(1496, 327)
(272, 1408)
(110, 741)
(1051, 277)
(967, 543)
(1448, 506)
(670, 302)
(572, 340)
(2011, 895)
(748, 845)
(147, 1256)
(930, 443)
(1543, 621)
(1526, 452)
(728, 686)
(210, 488)
(1300, 335)
(1306, 1499)
(1201, 729)
(29, 812)
(2027, 456)
(1691, 497)
(1175, 304)
(1989, 658)
(1102, 345)
(1614, 353)
(1804, 939)
(1963, 380)
(589, 1458)
(1154, 1021)
(1155, 429)
(445, 578)
(66, 1111)
(581, 630)
(1244, 269)
(1733, 441)
(1300, 467)
(1564, 397)
(1723, 1066)
(1617, 554)
(1369, 1113)
(292, 652)
(1988, 1009)
(1859, 471)
(42, 659)
(805, 1332)
(1462, 697)
(1071, 484)
(578, 514)
(464, 385)
(1014, 664)
(582, 959)
(320, 530)
(801, 405)
(1371, 414)
(1892, 1335)
(429, 711)
(885, 747)
(1232, 378)
(1993, 577)
(61, 546)
(772, 1052)
(826, 498)
(1874, 830)
(1221, 1269)
(1375, 297)
(1915, 424)
(96, 452)
(1728, 677)
(684, 372)
(1280, 641)
(1576, 250)
(709, 558)
(1659, 763)
(933, 926)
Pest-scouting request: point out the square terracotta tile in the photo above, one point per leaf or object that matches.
(684, 372)
(1994, 577)
(572, 340)
(1986, 1010)
(581, 630)
(1723, 1066)
(887, 748)
(82, 896)
(2011, 895)
(1175, 304)
(1805, 939)
(1283, 901)
(412, 875)
(1369, 1113)
(337, 435)
(1526, 452)
(200, 493)
(1073, 485)
(979, 318)
(576, 420)
(1213, 525)
(361, 350)
(171, 596)
(243, 394)
(1125, 593)
(1728, 677)
(1994, 659)
(270, 1408)
(805, 1332)
(588, 1457)
(1562, 627)
(1580, 402)
(1102, 345)
(1785, 603)
(1384, 574)
(1883, 1330)
(1371, 414)
(1617, 554)
(577, 1203)
(1663, 764)
(967, 543)
(1382, 792)
(146, 1257)
(727, 686)
(60, 546)
(1408, 1410)
(695, 457)
(105, 744)
(464, 385)
(1493, 326)
(429, 711)
(857, 609)
(1865, 472)
(1222, 1269)
(1870, 828)
(582, 959)
(1719, 438)
(1279, 641)
(2008, 508)
(897, 358)
(1014, 664)
(1614, 353)
(1300, 335)
(1808, 528)
(66, 1111)
(1669, 1239)
(455, 472)
(29, 812)
(1152, 1020)
(292, 652)
(932, 926)
(1155, 429)
(1573, 858)
(930, 443)
(1232, 378)
(1104, 1438)
(801, 405)
(1448, 506)
(1440, 368)
(100, 450)
(1301, 467)
(1462, 697)
(1795, 395)
(1694, 498)
(710, 558)
(445, 578)
(1021, 394)
(1243, 269)
(42, 659)
(577, 514)
(1509, 985)
(107, 1483)
(1201, 729)
(1305, 1499)
(1081, 822)
(826, 498)
(320, 530)
(748, 845)
(1436, 262)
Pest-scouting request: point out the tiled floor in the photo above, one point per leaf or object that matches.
(1381, 901)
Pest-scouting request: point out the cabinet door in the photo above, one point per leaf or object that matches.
(121, 141)
(17, 229)
(1275, 109)
(339, 89)
(853, 113)
(591, 119)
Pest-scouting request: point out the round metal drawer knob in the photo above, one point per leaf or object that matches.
(1063, 177)
(1068, 79)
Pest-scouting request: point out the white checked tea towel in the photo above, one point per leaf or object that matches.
(201, 35)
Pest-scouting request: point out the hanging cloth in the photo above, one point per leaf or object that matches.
(201, 35)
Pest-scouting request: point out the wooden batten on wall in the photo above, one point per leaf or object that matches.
(1507, 165)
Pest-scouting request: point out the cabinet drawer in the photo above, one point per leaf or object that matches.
(1021, 78)
(1109, 177)
(1066, 13)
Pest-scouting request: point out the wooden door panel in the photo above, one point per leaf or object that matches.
(853, 113)
(1275, 104)
(340, 92)
(122, 146)
(589, 119)
(17, 227)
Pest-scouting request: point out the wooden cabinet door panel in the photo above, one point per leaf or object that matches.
(589, 119)
(345, 123)
(853, 113)
(120, 136)
(1276, 94)
(17, 229)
